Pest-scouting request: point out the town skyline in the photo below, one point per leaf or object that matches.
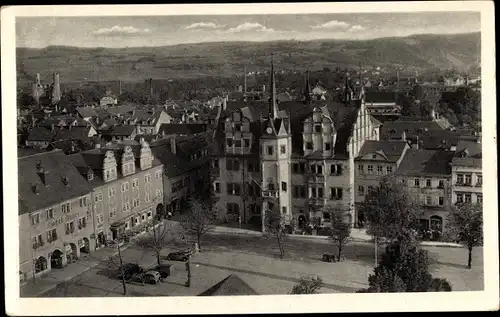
(154, 31)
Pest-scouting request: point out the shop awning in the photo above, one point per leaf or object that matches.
(118, 224)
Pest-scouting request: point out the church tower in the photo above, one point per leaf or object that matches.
(275, 152)
(307, 91)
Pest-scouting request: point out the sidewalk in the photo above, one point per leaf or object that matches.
(357, 235)
(36, 287)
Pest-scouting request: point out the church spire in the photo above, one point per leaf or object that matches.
(273, 108)
(307, 92)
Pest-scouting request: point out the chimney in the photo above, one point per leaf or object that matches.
(98, 145)
(56, 89)
(403, 136)
(240, 88)
(52, 127)
(263, 88)
(42, 173)
(173, 145)
(151, 86)
(119, 87)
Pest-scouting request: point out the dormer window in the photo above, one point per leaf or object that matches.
(317, 128)
(65, 180)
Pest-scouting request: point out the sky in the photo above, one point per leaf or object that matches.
(123, 31)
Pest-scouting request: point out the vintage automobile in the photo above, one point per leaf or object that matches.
(329, 258)
(178, 256)
(129, 270)
(164, 270)
(151, 277)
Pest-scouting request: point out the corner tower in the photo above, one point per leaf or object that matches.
(275, 154)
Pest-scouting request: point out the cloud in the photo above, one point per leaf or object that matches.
(121, 31)
(203, 25)
(249, 26)
(356, 28)
(332, 25)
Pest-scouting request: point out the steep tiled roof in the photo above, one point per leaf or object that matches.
(179, 128)
(119, 130)
(391, 149)
(27, 151)
(181, 162)
(73, 133)
(426, 162)
(396, 128)
(86, 112)
(41, 134)
(58, 166)
(94, 159)
(468, 153)
(230, 286)
(380, 96)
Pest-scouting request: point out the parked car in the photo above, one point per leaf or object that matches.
(151, 277)
(164, 270)
(178, 256)
(329, 257)
(129, 270)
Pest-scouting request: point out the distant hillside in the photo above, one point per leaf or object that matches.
(226, 59)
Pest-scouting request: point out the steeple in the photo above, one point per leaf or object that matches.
(245, 81)
(348, 92)
(307, 91)
(273, 107)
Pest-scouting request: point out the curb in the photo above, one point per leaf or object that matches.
(354, 239)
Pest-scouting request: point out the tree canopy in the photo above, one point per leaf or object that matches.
(465, 225)
(390, 209)
(404, 267)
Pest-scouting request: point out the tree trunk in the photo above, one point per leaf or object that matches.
(121, 270)
(280, 246)
(198, 239)
(340, 250)
(158, 260)
(469, 263)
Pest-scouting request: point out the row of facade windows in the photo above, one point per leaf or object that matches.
(327, 146)
(52, 236)
(370, 170)
(427, 183)
(238, 143)
(301, 168)
(35, 218)
(466, 179)
(467, 198)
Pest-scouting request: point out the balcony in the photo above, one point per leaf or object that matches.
(316, 201)
(270, 193)
(316, 178)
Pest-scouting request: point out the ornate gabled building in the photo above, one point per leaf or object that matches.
(127, 187)
(293, 156)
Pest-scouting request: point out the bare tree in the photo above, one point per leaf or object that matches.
(159, 237)
(341, 229)
(275, 225)
(198, 220)
(115, 263)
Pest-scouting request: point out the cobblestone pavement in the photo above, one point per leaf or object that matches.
(255, 259)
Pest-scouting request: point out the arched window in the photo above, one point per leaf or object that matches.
(437, 223)
(40, 264)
